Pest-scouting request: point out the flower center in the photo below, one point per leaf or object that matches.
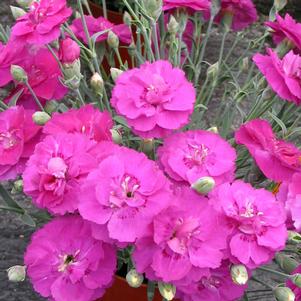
(8, 140)
(157, 92)
(197, 154)
(57, 167)
(129, 186)
(67, 260)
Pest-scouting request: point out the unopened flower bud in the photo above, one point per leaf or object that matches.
(18, 74)
(227, 20)
(18, 186)
(244, 64)
(97, 83)
(24, 3)
(173, 25)
(127, 19)
(213, 129)
(115, 72)
(132, 49)
(147, 146)
(286, 263)
(17, 12)
(213, 70)
(167, 290)
(294, 237)
(280, 4)
(284, 294)
(116, 136)
(296, 279)
(16, 273)
(203, 185)
(153, 8)
(134, 279)
(51, 106)
(113, 40)
(40, 118)
(239, 274)
(72, 74)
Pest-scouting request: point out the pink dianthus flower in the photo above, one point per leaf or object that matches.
(155, 99)
(190, 155)
(69, 51)
(256, 220)
(64, 262)
(196, 5)
(124, 193)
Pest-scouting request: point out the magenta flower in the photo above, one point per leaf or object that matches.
(41, 25)
(191, 155)
(64, 262)
(87, 120)
(256, 219)
(217, 286)
(283, 75)
(196, 5)
(155, 99)
(186, 239)
(243, 13)
(277, 159)
(286, 28)
(293, 202)
(121, 196)
(96, 25)
(296, 290)
(69, 51)
(54, 173)
(18, 136)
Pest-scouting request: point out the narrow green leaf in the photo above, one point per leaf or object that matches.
(151, 286)
(27, 219)
(7, 198)
(14, 98)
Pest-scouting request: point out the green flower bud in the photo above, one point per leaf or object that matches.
(227, 21)
(203, 185)
(173, 25)
(17, 12)
(134, 279)
(18, 186)
(24, 3)
(296, 279)
(16, 273)
(116, 136)
(115, 72)
(286, 263)
(72, 74)
(167, 290)
(213, 129)
(18, 74)
(153, 8)
(294, 237)
(132, 49)
(113, 40)
(239, 274)
(127, 19)
(284, 294)
(244, 64)
(147, 146)
(51, 106)
(40, 118)
(213, 70)
(97, 83)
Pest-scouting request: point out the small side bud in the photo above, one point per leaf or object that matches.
(147, 146)
(16, 273)
(134, 279)
(153, 8)
(167, 290)
(296, 279)
(213, 129)
(97, 83)
(132, 49)
(127, 19)
(286, 263)
(51, 106)
(113, 40)
(294, 237)
(173, 25)
(18, 186)
(244, 64)
(40, 118)
(203, 185)
(284, 294)
(17, 12)
(115, 72)
(239, 274)
(116, 136)
(213, 70)
(18, 74)
(72, 74)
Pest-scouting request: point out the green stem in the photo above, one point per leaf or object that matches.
(116, 50)
(34, 95)
(262, 268)
(79, 95)
(104, 9)
(55, 57)
(155, 38)
(262, 282)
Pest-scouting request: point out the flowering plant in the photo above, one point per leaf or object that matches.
(138, 164)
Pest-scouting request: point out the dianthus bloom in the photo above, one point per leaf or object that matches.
(286, 28)
(242, 12)
(277, 159)
(87, 120)
(64, 262)
(124, 193)
(155, 99)
(296, 290)
(186, 239)
(96, 25)
(18, 136)
(283, 75)
(293, 202)
(57, 168)
(41, 25)
(217, 286)
(69, 51)
(256, 220)
(196, 5)
(190, 155)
